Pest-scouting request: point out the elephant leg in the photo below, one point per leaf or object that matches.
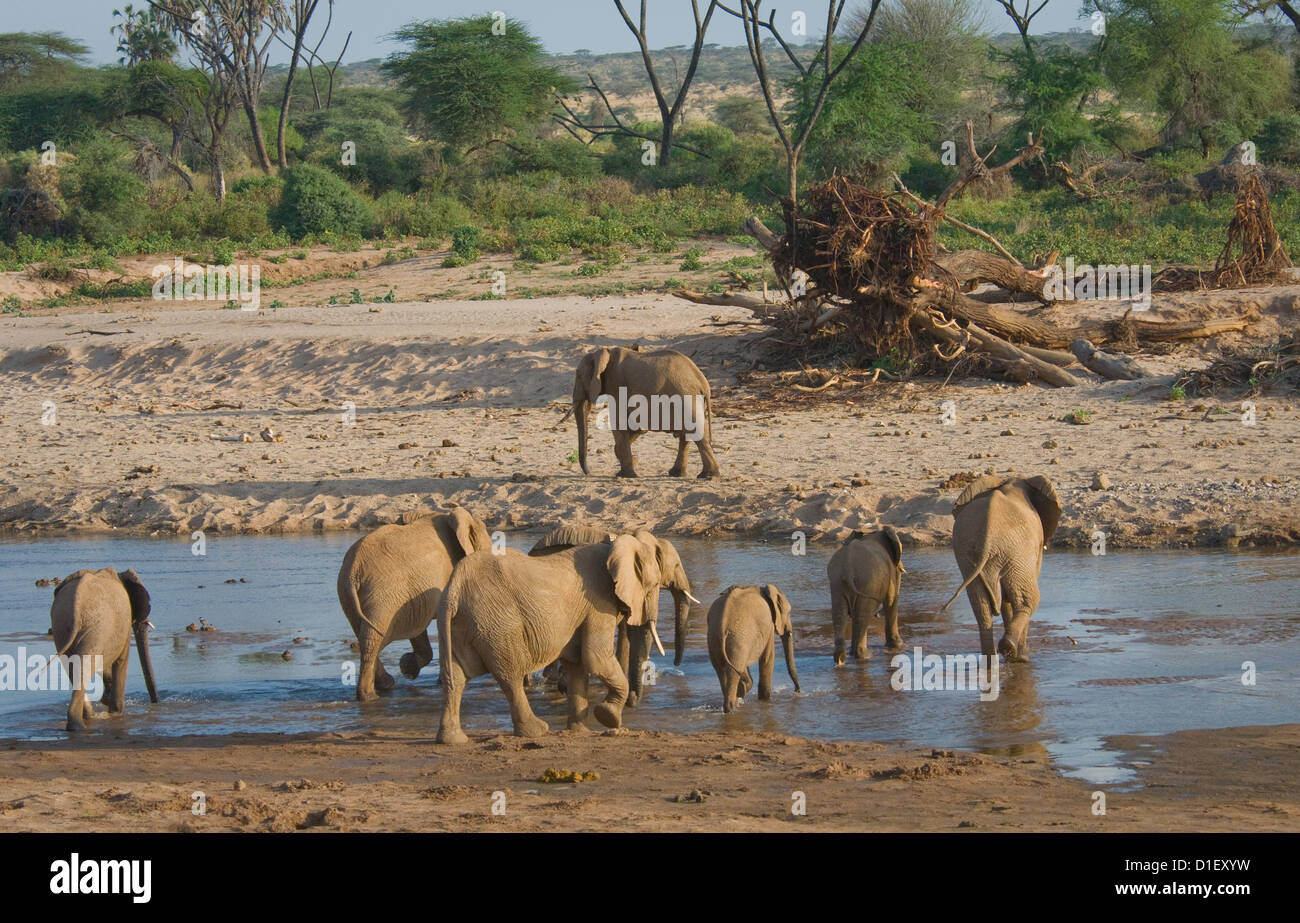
(384, 681)
(981, 604)
(115, 684)
(420, 656)
(80, 710)
(1019, 606)
(707, 458)
(453, 687)
(623, 451)
(893, 640)
(679, 466)
(839, 625)
(765, 670)
(577, 693)
(730, 680)
(598, 658)
(860, 616)
(526, 723)
(371, 644)
(746, 683)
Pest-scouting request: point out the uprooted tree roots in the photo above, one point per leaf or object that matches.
(868, 262)
(1252, 368)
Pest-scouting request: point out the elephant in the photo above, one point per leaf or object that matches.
(632, 643)
(864, 575)
(744, 623)
(94, 613)
(646, 387)
(390, 584)
(1000, 530)
(511, 614)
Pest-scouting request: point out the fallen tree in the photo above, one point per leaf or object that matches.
(868, 262)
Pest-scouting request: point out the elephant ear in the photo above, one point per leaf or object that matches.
(471, 534)
(981, 485)
(593, 365)
(631, 564)
(780, 608)
(889, 538)
(136, 592)
(1043, 496)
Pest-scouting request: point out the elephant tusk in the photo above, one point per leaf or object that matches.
(654, 633)
(692, 598)
(150, 625)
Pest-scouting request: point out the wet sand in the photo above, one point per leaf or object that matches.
(1240, 779)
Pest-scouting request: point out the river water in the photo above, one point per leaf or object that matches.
(1141, 642)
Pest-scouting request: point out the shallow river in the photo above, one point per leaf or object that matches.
(1126, 643)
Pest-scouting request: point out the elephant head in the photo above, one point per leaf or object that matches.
(784, 628)
(140, 625)
(586, 388)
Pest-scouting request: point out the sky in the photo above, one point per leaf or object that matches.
(563, 25)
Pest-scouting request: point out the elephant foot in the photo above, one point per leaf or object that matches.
(452, 736)
(368, 695)
(894, 644)
(1007, 648)
(531, 727)
(410, 665)
(609, 715)
(708, 475)
(632, 699)
(385, 683)
(626, 474)
(578, 728)
(863, 654)
(675, 472)
(839, 658)
(75, 725)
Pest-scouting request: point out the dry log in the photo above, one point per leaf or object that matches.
(972, 267)
(997, 348)
(1107, 365)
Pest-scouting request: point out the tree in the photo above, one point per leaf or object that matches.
(300, 14)
(1188, 60)
(142, 36)
(34, 56)
(670, 112)
(469, 85)
(814, 80)
(233, 37)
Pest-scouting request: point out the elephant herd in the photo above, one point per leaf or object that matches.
(584, 602)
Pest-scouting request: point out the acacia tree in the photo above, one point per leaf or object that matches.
(232, 37)
(815, 76)
(300, 13)
(470, 85)
(669, 110)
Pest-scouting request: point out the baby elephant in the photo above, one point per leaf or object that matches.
(864, 576)
(743, 624)
(95, 612)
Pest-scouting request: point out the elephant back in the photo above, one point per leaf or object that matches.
(981, 485)
(568, 535)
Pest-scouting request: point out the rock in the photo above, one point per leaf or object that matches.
(1100, 481)
(240, 785)
(287, 655)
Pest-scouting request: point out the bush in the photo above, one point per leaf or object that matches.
(106, 199)
(1279, 139)
(465, 241)
(315, 201)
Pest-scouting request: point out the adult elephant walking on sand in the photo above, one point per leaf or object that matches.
(512, 614)
(1001, 527)
(94, 614)
(390, 584)
(658, 391)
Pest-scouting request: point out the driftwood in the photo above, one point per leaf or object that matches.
(1107, 365)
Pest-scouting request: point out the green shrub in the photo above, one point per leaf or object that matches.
(465, 242)
(315, 201)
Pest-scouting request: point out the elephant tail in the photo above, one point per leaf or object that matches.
(351, 603)
(446, 606)
(977, 572)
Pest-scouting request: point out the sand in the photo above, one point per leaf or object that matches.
(463, 401)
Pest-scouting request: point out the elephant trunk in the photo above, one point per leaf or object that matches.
(581, 410)
(146, 665)
(638, 638)
(682, 605)
(787, 643)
